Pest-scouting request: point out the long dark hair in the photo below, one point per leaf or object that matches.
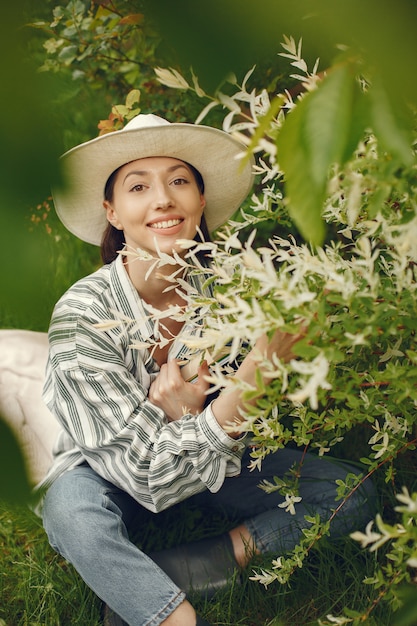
(113, 239)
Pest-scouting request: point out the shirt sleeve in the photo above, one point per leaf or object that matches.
(105, 412)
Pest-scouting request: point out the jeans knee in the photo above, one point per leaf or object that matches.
(68, 512)
(59, 518)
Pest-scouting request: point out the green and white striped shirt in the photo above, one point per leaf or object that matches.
(97, 388)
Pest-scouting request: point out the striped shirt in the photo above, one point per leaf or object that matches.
(97, 388)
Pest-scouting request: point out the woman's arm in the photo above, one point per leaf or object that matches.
(228, 405)
(176, 397)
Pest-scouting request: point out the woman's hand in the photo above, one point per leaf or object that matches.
(281, 344)
(171, 393)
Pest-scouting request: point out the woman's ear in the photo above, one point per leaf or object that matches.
(112, 215)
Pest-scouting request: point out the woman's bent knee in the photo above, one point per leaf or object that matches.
(71, 504)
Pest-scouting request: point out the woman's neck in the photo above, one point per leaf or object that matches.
(151, 286)
(151, 289)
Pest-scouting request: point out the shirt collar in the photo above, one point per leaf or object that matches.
(128, 300)
(130, 305)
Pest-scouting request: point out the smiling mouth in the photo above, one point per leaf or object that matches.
(165, 224)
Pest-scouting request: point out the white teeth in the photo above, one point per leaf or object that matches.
(166, 224)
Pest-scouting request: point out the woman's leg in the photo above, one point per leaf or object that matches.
(85, 518)
(266, 527)
(277, 528)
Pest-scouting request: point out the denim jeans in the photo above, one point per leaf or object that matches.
(88, 521)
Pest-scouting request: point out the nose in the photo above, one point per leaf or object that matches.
(162, 197)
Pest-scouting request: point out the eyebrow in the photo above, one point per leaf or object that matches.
(169, 169)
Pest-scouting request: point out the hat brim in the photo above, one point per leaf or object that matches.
(87, 167)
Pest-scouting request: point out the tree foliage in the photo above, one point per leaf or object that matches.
(356, 294)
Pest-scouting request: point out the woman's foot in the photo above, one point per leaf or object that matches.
(205, 566)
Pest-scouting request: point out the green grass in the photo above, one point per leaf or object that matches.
(37, 587)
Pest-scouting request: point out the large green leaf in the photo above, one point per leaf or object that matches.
(303, 195)
(316, 135)
(407, 614)
(326, 117)
(391, 123)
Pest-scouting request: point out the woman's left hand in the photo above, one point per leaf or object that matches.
(171, 393)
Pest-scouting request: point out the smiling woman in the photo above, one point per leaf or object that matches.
(133, 431)
(113, 239)
(156, 200)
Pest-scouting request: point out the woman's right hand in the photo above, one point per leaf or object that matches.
(176, 397)
(281, 344)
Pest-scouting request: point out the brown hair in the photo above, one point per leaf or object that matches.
(113, 239)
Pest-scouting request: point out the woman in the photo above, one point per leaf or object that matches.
(134, 432)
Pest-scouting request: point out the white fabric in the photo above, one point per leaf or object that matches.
(23, 356)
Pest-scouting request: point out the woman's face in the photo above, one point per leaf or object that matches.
(156, 201)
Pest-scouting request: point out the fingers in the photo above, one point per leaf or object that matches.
(202, 374)
(169, 379)
(174, 395)
(281, 344)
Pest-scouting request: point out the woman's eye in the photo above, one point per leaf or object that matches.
(137, 187)
(180, 181)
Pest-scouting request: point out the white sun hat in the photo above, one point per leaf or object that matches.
(215, 154)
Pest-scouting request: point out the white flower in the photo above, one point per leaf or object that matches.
(375, 539)
(323, 450)
(264, 577)
(289, 503)
(358, 339)
(338, 620)
(314, 373)
(412, 561)
(409, 501)
(108, 324)
(368, 537)
(380, 442)
(199, 91)
(255, 464)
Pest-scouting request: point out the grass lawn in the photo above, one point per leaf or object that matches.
(37, 587)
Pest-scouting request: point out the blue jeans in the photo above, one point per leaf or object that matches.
(88, 519)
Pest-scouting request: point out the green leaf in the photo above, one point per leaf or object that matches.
(120, 109)
(305, 199)
(68, 54)
(407, 615)
(327, 121)
(390, 124)
(305, 350)
(132, 98)
(322, 130)
(359, 122)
